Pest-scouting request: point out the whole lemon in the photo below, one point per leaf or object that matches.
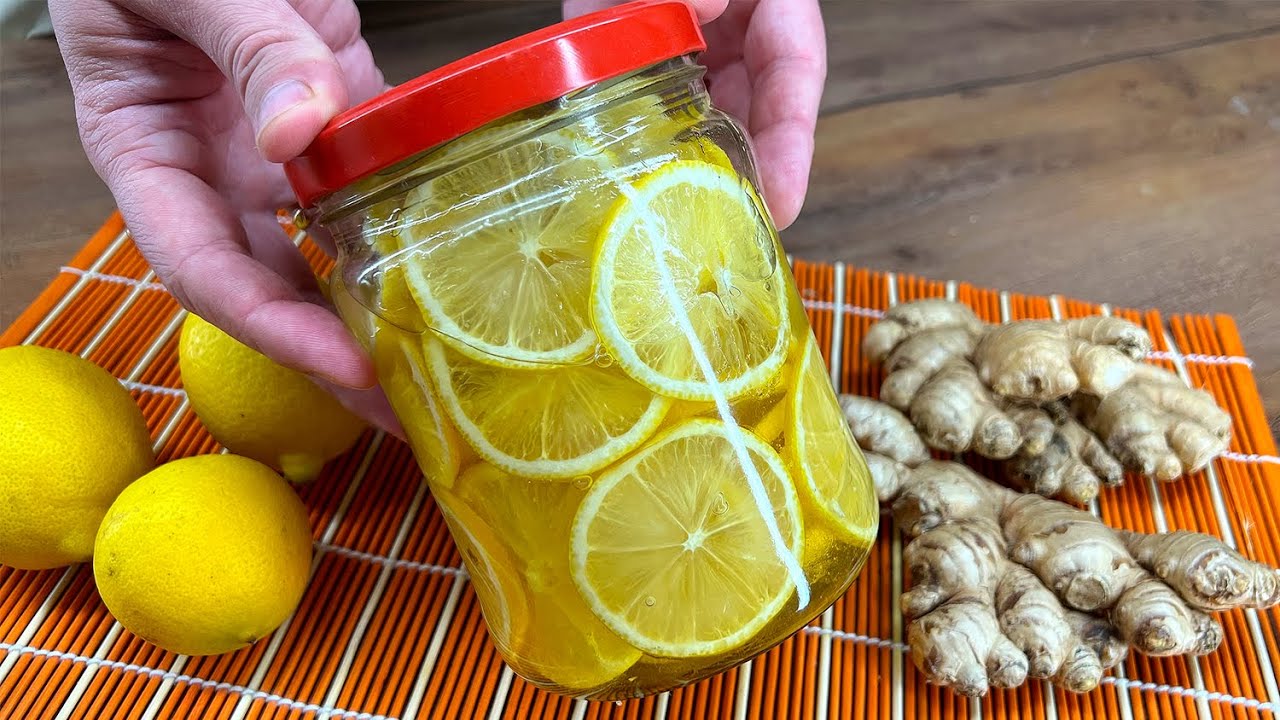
(71, 438)
(258, 408)
(204, 555)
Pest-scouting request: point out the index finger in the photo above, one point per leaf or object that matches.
(211, 272)
(786, 55)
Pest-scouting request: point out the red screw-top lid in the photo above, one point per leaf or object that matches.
(530, 70)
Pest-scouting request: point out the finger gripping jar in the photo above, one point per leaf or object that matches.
(557, 255)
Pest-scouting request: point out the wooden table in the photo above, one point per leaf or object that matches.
(1126, 152)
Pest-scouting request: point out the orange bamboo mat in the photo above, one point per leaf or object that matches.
(390, 629)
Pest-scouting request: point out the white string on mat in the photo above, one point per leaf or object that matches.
(190, 680)
(1248, 458)
(84, 276)
(114, 279)
(857, 638)
(1196, 358)
(17, 649)
(391, 562)
(1125, 683)
(154, 389)
(1211, 696)
(79, 286)
(1201, 359)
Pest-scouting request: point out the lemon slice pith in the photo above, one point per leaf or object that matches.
(566, 643)
(687, 248)
(555, 423)
(505, 271)
(671, 550)
(833, 472)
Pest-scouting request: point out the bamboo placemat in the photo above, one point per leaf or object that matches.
(389, 627)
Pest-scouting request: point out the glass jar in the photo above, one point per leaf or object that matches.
(581, 313)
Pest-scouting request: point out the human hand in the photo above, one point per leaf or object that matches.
(185, 107)
(766, 64)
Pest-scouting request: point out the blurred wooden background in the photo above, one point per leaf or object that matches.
(1112, 150)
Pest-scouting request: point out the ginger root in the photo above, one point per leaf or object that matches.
(1068, 405)
(1044, 360)
(925, 348)
(1157, 425)
(1074, 465)
(1009, 585)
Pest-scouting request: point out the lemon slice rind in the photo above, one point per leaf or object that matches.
(632, 209)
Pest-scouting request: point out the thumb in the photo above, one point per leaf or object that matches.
(287, 77)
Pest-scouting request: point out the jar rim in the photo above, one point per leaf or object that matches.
(449, 102)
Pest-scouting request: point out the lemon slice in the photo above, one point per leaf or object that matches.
(492, 573)
(687, 279)
(567, 644)
(436, 445)
(833, 470)
(671, 550)
(546, 423)
(503, 268)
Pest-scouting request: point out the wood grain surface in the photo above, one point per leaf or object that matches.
(1122, 152)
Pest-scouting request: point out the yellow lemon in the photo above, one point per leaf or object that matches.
(566, 644)
(204, 555)
(258, 408)
(71, 438)
(689, 547)
(692, 309)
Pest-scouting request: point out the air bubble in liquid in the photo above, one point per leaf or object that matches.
(721, 505)
(651, 601)
(582, 482)
(602, 358)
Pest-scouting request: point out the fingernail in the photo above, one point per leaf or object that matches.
(282, 98)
